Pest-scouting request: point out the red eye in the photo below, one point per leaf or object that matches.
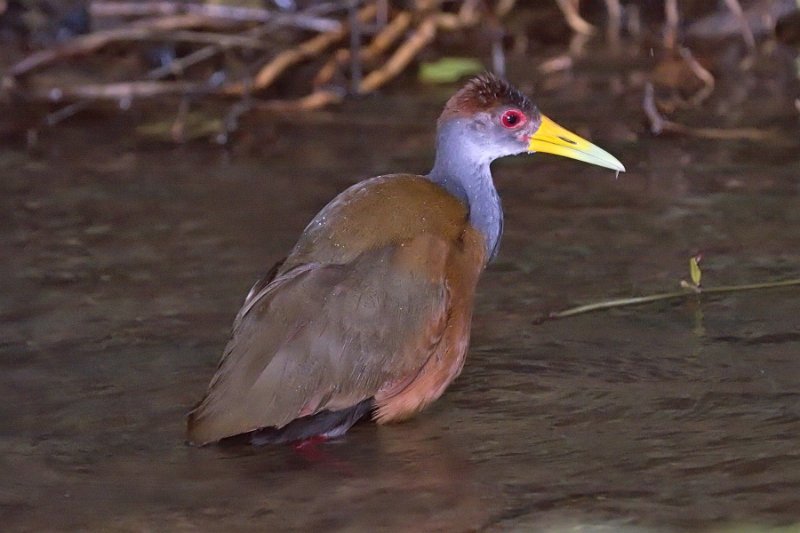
(513, 118)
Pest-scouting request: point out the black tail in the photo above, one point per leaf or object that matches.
(325, 423)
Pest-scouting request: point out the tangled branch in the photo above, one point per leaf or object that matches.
(392, 40)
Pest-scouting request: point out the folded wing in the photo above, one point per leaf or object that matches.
(326, 337)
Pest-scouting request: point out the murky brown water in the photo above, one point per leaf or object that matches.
(125, 262)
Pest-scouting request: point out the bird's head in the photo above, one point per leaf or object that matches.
(498, 120)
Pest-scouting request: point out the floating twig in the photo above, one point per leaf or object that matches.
(638, 300)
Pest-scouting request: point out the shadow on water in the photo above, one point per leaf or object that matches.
(125, 263)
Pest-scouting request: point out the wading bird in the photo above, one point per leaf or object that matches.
(370, 313)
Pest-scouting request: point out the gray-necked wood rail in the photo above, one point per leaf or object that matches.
(371, 310)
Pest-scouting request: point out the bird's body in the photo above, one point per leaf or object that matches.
(371, 303)
(371, 310)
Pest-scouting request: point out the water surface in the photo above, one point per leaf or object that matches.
(126, 259)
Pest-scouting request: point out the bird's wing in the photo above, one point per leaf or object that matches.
(262, 283)
(327, 336)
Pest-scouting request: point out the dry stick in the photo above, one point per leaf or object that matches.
(672, 20)
(469, 13)
(93, 41)
(723, 134)
(614, 10)
(149, 28)
(419, 39)
(175, 67)
(382, 16)
(634, 25)
(231, 122)
(222, 40)
(498, 54)
(380, 43)
(622, 302)
(243, 105)
(338, 59)
(387, 36)
(467, 16)
(98, 9)
(494, 29)
(556, 64)
(405, 53)
(569, 8)
(302, 52)
(503, 7)
(422, 36)
(67, 111)
(425, 32)
(213, 11)
(659, 124)
(355, 46)
(121, 8)
(299, 20)
(178, 130)
(143, 89)
(703, 75)
(316, 100)
(747, 33)
(178, 66)
(577, 44)
(122, 90)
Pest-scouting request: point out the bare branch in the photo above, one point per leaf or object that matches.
(378, 46)
(302, 52)
(213, 11)
(316, 100)
(651, 111)
(93, 41)
(702, 74)
(658, 125)
(122, 90)
(672, 20)
(573, 17)
(614, 10)
(747, 32)
(419, 39)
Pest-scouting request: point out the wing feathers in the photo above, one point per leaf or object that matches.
(327, 337)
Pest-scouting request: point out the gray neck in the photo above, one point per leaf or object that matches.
(462, 169)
